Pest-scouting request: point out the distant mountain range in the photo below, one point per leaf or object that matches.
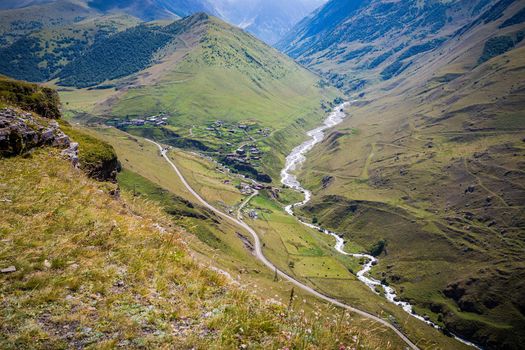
(269, 20)
(361, 41)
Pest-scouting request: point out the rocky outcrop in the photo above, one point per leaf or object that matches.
(20, 132)
(105, 170)
(72, 153)
(327, 181)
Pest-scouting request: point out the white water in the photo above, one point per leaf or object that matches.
(293, 161)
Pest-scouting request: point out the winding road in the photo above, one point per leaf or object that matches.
(259, 255)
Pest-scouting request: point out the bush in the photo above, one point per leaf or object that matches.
(378, 248)
(30, 97)
(495, 47)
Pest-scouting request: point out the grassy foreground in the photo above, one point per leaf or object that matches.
(95, 271)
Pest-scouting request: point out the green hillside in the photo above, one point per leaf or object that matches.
(40, 55)
(197, 71)
(17, 23)
(360, 44)
(431, 163)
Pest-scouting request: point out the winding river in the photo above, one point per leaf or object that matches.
(293, 161)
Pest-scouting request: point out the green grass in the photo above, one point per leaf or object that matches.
(412, 193)
(97, 271)
(96, 157)
(275, 227)
(30, 97)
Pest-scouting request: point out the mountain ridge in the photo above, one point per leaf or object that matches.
(268, 20)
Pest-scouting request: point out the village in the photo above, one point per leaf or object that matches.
(154, 120)
(238, 142)
(238, 146)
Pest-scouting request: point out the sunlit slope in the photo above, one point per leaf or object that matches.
(359, 43)
(223, 74)
(435, 167)
(199, 70)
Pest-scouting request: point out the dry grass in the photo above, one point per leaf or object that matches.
(98, 272)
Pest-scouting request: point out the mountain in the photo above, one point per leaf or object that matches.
(268, 20)
(358, 42)
(14, 4)
(153, 9)
(430, 159)
(197, 69)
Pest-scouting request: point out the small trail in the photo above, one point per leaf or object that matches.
(364, 173)
(259, 254)
(480, 183)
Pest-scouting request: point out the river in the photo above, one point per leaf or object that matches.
(293, 162)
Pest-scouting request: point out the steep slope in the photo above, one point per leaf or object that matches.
(41, 54)
(436, 167)
(199, 70)
(361, 42)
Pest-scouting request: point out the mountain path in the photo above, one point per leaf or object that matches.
(259, 254)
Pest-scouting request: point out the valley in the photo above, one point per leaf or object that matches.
(392, 221)
(323, 268)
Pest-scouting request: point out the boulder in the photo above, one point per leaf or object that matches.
(21, 132)
(8, 269)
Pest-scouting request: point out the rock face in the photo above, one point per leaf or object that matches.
(20, 132)
(106, 170)
(72, 153)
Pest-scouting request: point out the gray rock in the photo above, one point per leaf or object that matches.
(21, 132)
(72, 153)
(8, 269)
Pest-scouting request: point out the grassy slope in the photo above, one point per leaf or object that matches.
(415, 150)
(93, 271)
(215, 239)
(42, 53)
(286, 240)
(19, 22)
(308, 255)
(219, 72)
(30, 97)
